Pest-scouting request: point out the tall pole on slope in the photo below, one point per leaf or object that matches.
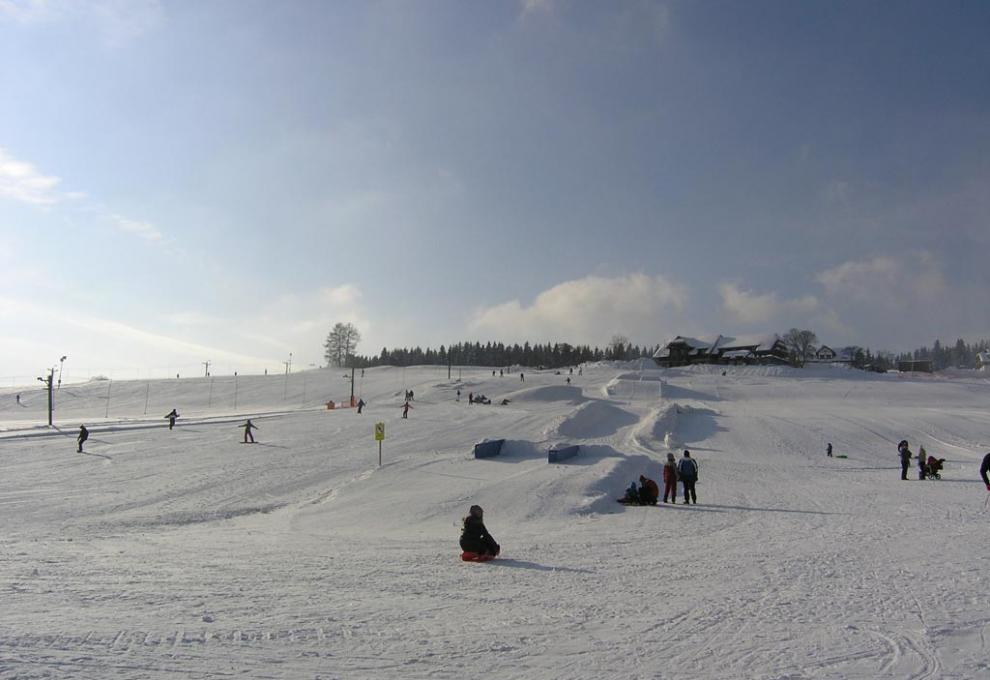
(48, 384)
(352, 384)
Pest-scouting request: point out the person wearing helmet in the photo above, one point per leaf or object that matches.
(475, 537)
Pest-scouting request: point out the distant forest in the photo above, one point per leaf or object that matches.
(560, 354)
(959, 355)
(549, 355)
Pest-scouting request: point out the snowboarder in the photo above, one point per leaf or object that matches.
(172, 415)
(405, 410)
(670, 479)
(687, 472)
(922, 462)
(648, 491)
(828, 450)
(475, 538)
(248, 426)
(984, 469)
(83, 436)
(905, 454)
(360, 405)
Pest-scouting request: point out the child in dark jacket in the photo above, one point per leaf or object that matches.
(475, 537)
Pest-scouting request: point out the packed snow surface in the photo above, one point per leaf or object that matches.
(187, 553)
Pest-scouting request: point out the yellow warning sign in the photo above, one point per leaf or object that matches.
(379, 431)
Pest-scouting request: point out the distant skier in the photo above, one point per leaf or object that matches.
(493, 372)
(18, 399)
(648, 491)
(568, 380)
(687, 471)
(828, 450)
(670, 479)
(501, 373)
(360, 405)
(248, 426)
(458, 395)
(470, 397)
(362, 372)
(172, 415)
(83, 436)
(412, 396)
(922, 462)
(905, 454)
(522, 377)
(984, 469)
(405, 410)
(475, 537)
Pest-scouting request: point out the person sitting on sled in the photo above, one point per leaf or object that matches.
(632, 494)
(648, 491)
(475, 537)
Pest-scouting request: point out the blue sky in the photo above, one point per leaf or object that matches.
(183, 181)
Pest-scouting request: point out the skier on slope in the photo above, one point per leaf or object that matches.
(828, 450)
(984, 469)
(670, 479)
(475, 537)
(905, 454)
(171, 415)
(84, 435)
(687, 471)
(248, 426)
(405, 410)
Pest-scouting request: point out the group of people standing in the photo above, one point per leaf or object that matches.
(684, 471)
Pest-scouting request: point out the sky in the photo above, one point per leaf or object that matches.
(183, 182)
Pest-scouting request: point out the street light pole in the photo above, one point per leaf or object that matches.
(60, 362)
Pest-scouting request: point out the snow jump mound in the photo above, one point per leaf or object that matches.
(568, 393)
(596, 419)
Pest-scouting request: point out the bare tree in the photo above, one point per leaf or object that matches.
(801, 343)
(341, 344)
(618, 346)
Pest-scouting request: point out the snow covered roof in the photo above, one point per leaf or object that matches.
(737, 354)
(756, 342)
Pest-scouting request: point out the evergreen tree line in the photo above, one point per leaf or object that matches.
(549, 355)
(959, 355)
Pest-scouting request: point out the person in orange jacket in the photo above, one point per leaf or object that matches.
(670, 479)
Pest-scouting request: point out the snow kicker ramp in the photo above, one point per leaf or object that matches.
(596, 419)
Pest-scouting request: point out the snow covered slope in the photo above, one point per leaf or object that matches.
(186, 553)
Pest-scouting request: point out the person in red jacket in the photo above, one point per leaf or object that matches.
(670, 479)
(648, 491)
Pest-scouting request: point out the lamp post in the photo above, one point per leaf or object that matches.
(60, 362)
(48, 383)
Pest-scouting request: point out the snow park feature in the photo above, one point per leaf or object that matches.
(158, 554)
(558, 454)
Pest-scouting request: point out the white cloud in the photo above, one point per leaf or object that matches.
(21, 181)
(142, 229)
(116, 21)
(748, 307)
(901, 281)
(588, 310)
(530, 7)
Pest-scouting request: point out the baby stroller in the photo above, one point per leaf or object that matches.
(934, 467)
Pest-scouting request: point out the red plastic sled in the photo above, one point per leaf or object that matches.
(475, 557)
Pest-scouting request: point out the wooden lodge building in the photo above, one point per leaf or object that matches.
(722, 349)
